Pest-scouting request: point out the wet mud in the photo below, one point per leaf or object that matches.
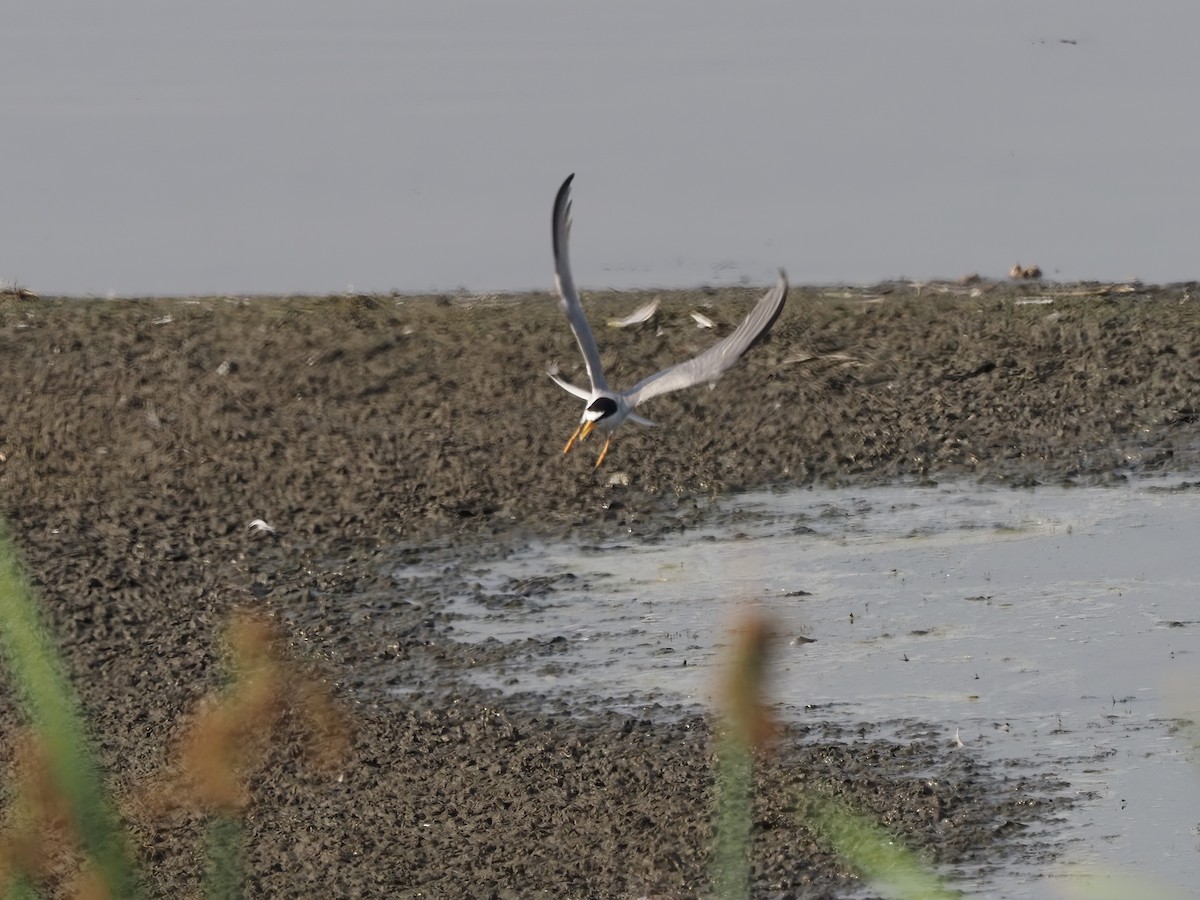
(140, 437)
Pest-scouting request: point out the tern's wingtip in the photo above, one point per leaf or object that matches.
(562, 202)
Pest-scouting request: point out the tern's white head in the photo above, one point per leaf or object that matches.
(603, 413)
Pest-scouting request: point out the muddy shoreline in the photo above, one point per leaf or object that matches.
(141, 436)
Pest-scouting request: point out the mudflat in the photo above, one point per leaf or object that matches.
(140, 438)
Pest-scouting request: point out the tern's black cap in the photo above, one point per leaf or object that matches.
(606, 406)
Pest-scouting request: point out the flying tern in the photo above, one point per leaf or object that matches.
(605, 409)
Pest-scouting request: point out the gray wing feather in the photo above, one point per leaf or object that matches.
(568, 297)
(720, 357)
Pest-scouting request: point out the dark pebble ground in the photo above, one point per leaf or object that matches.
(139, 437)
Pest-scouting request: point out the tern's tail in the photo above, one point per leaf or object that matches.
(570, 388)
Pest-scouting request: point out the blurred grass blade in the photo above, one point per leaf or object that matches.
(747, 726)
(225, 876)
(38, 673)
(731, 854)
(873, 852)
(19, 888)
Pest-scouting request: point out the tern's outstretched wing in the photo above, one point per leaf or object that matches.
(713, 362)
(568, 297)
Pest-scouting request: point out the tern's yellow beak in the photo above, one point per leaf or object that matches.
(584, 429)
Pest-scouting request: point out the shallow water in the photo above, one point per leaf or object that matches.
(1053, 627)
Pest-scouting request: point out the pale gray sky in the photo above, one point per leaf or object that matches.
(304, 146)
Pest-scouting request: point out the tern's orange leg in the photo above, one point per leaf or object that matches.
(574, 438)
(604, 452)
